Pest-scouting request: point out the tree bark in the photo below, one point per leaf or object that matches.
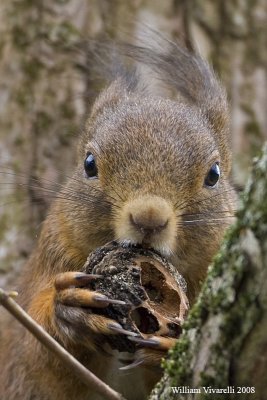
(233, 36)
(224, 341)
(42, 90)
(40, 113)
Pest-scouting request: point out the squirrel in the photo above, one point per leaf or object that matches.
(151, 169)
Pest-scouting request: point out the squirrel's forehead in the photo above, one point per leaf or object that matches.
(152, 128)
(155, 148)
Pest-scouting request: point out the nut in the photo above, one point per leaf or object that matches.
(152, 288)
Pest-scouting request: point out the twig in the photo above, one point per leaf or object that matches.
(69, 361)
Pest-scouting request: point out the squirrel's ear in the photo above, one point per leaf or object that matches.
(110, 78)
(109, 98)
(205, 90)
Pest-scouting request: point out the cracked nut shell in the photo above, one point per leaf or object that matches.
(152, 288)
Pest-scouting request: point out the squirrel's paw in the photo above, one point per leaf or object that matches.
(74, 310)
(151, 352)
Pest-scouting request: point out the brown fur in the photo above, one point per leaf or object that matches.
(153, 155)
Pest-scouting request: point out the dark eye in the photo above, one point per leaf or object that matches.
(90, 166)
(213, 175)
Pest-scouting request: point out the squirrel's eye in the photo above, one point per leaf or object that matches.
(90, 166)
(213, 175)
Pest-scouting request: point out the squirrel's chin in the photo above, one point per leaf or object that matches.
(164, 250)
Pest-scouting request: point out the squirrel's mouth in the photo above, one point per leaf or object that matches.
(149, 221)
(158, 246)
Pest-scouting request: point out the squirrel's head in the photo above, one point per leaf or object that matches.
(155, 171)
(152, 157)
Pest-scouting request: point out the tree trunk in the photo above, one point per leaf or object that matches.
(40, 115)
(43, 100)
(224, 343)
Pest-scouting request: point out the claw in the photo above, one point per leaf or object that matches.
(153, 342)
(132, 365)
(119, 329)
(159, 342)
(104, 299)
(69, 279)
(84, 278)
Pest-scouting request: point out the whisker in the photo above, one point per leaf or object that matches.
(184, 204)
(95, 188)
(204, 220)
(64, 190)
(33, 179)
(60, 186)
(47, 190)
(63, 194)
(208, 213)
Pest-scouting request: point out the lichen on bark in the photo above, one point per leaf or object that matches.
(223, 341)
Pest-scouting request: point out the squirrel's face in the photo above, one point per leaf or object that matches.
(157, 167)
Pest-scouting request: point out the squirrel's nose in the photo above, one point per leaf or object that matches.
(148, 222)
